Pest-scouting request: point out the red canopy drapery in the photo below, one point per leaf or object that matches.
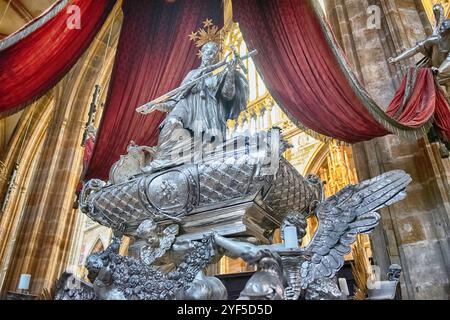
(421, 102)
(426, 101)
(309, 78)
(153, 56)
(35, 58)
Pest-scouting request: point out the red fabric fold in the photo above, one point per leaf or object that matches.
(153, 56)
(88, 150)
(29, 68)
(87, 154)
(421, 103)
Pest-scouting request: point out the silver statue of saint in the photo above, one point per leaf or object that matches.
(201, 106)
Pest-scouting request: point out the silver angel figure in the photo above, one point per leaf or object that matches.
(435, 48)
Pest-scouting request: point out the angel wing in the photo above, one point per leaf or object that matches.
(344, 215)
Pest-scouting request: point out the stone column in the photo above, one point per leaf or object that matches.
(47, 223)
(24, 152)
(414, 232)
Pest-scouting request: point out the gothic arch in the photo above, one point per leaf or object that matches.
(316, 160)
(97, 246)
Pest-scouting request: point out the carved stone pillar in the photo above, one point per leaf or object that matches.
(47, 223)
(414, 232)
(24, 152)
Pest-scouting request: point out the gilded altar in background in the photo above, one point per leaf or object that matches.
(338, 170)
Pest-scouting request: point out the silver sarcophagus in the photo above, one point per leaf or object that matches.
(243, 192)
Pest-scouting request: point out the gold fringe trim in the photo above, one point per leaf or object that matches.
(312, 133)
(33, 25)
(316, 135)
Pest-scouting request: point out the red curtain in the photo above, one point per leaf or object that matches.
(425, 102)
(87, 154)
(34, 64)
(153, 56)
(421, 103)
(305, 77)
(88, 150)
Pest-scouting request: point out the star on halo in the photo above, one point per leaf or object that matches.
(193, 36)
(208, 33)
(207, 23)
